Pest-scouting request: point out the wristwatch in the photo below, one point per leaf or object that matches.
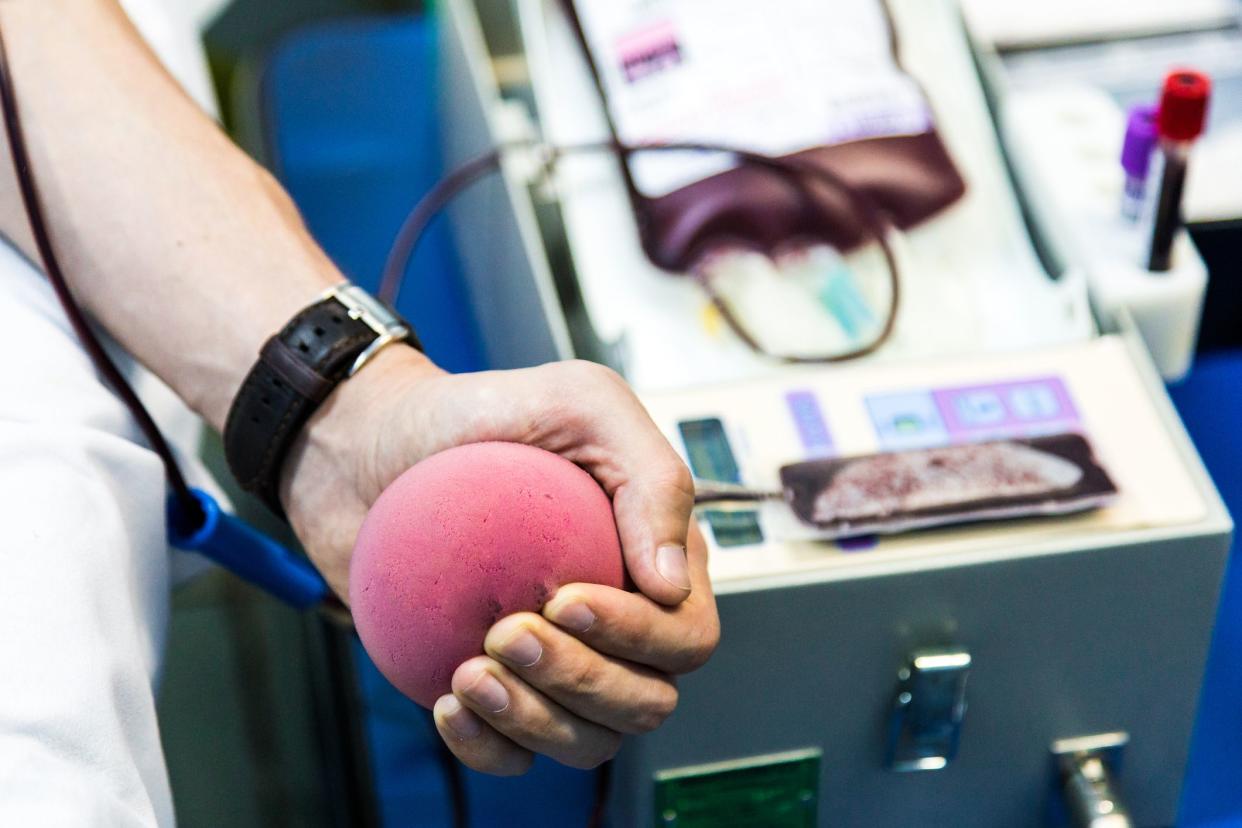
(323, 345)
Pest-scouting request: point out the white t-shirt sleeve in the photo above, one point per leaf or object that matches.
(85, 577)
(83, 606)
(84, 597)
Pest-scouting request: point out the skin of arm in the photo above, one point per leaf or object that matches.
(191, 256)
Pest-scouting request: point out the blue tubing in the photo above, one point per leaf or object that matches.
(249, 554)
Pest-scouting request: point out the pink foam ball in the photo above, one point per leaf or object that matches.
(463, 539)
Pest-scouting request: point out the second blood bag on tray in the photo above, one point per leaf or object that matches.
(814, 83)
(901, 491)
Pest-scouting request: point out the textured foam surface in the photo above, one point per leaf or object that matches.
(463, 539)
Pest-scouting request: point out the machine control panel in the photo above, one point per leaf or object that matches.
(743, 434)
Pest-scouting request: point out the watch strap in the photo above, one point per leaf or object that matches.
(297, 369)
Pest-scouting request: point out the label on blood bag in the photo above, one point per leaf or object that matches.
(648, 51)
(777, 76)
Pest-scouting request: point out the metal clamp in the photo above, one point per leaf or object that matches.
(1085, 769)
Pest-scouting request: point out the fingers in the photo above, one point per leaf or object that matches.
(571, 690)
(621, 696)
(528, 718)
(633, 628)
(476, 743)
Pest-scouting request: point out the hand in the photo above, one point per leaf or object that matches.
(597, 664)
(589, 682)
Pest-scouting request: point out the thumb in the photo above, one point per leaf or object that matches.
(653, 514)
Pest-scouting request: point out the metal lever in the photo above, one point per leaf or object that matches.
(1085, 767)
(926, 719)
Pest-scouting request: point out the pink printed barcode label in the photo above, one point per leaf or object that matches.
(649, 51)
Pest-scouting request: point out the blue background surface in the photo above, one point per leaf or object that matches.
(350, 115)
(1210, 402)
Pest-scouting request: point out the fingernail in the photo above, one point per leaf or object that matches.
(671, 564)
(489, 693)
(523, 649)
(576, 616)
(463, 723)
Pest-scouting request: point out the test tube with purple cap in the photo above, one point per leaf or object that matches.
(1136, 155)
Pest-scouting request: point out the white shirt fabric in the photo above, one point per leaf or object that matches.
(84, 601)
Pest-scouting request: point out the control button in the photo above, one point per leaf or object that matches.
(908, 424)
(809, 419)
(907, 421)
(980, 408)
(1034, 402)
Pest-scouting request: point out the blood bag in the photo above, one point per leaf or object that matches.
(817, 82)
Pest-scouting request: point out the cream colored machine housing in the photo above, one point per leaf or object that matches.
(1067, 627)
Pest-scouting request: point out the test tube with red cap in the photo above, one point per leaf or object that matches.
(1183, 113)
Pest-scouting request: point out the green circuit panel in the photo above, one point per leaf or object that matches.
(775, 791)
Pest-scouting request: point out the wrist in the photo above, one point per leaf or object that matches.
(339, 452)
(299, 368)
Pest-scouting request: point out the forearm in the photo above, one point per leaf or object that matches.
(175, 241)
